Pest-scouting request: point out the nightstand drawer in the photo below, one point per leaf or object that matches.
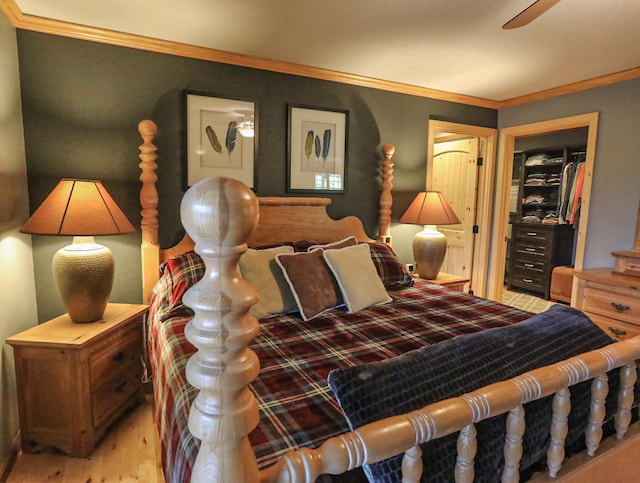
(616, 303)
(114, 355)
(111, 396)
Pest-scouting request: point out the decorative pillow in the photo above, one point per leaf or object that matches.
(259, 268)
(357, 277)
(182, 272)
(311, 282)
(346, 242)
(392, 272)
(302, 245)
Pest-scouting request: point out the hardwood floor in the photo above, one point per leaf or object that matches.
(128, 452)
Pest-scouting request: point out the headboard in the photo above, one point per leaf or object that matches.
(281, 218)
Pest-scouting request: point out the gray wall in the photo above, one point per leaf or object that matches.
(16, 285)
(82, 102)
(616, 180)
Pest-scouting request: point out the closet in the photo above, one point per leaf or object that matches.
(545, 208)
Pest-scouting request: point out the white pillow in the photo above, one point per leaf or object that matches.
(357, 277)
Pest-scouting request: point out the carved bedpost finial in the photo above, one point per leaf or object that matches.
(220, 214)
(386, 198)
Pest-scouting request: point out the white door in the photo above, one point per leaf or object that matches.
(455, 174)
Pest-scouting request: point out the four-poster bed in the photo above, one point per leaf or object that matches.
(236, 363)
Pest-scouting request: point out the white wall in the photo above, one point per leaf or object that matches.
(17, 286)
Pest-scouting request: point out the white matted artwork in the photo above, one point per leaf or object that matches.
(317, 149)
(220, 138)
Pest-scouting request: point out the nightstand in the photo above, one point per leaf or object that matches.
(454, 282)
(74, 380)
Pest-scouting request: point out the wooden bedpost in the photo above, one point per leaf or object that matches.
(386, 198)
(220, 214)
(149, 203)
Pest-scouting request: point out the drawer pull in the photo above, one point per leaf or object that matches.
(532, 233)
(620, 307)
(528, 249)
(527, 280)
(529, 265)
(119, 356)
(617, 332)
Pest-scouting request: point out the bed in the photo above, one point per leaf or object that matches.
(310, 389)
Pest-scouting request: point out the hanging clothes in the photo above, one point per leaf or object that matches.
(577, 197)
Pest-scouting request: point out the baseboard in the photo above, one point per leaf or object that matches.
(7, 465)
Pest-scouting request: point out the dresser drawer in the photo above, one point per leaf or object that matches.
(615, 302)
(629, 266)
(113, 356)
(614, 328)
(530, 281)
(532, 249)
(531, 235)
(109, 399)
(530, 266)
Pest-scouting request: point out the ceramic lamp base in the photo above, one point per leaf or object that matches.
(83, 272)
(429, 249)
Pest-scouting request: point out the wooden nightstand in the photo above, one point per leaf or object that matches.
(454, 282)
(74, 380)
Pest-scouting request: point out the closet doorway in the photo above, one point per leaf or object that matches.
(460, 163)
(508, 138)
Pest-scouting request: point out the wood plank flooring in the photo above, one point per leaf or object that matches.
(128, 452)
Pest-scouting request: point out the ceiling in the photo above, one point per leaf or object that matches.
(453, 46)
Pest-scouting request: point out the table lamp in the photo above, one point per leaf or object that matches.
(429, 208)
(83, 271)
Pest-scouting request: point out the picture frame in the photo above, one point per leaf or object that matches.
(216, 142)
(317, 150)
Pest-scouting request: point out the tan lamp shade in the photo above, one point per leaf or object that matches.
(84, 270)
(429, 246)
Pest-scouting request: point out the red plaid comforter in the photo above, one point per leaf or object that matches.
(296, 405)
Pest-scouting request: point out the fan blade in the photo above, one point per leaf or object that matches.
(529, 14)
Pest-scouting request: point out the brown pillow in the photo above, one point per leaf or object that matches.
(259, 268)
(345, 242)
(311, 282)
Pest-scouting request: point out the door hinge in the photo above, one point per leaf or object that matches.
(475, 229)
(480, 161)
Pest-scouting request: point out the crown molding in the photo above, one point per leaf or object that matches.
(34, 23)
(604, 80)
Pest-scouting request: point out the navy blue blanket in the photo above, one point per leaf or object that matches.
(371, 392)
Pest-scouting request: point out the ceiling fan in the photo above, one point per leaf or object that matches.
(529, 14)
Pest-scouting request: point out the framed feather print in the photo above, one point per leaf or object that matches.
(221, 138)
(317, 150)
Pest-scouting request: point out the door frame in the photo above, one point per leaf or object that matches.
(503, 185)
(487, 138)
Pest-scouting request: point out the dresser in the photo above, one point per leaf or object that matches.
(611, 297)
(536, 248)
(611, 300)
(74, 380)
